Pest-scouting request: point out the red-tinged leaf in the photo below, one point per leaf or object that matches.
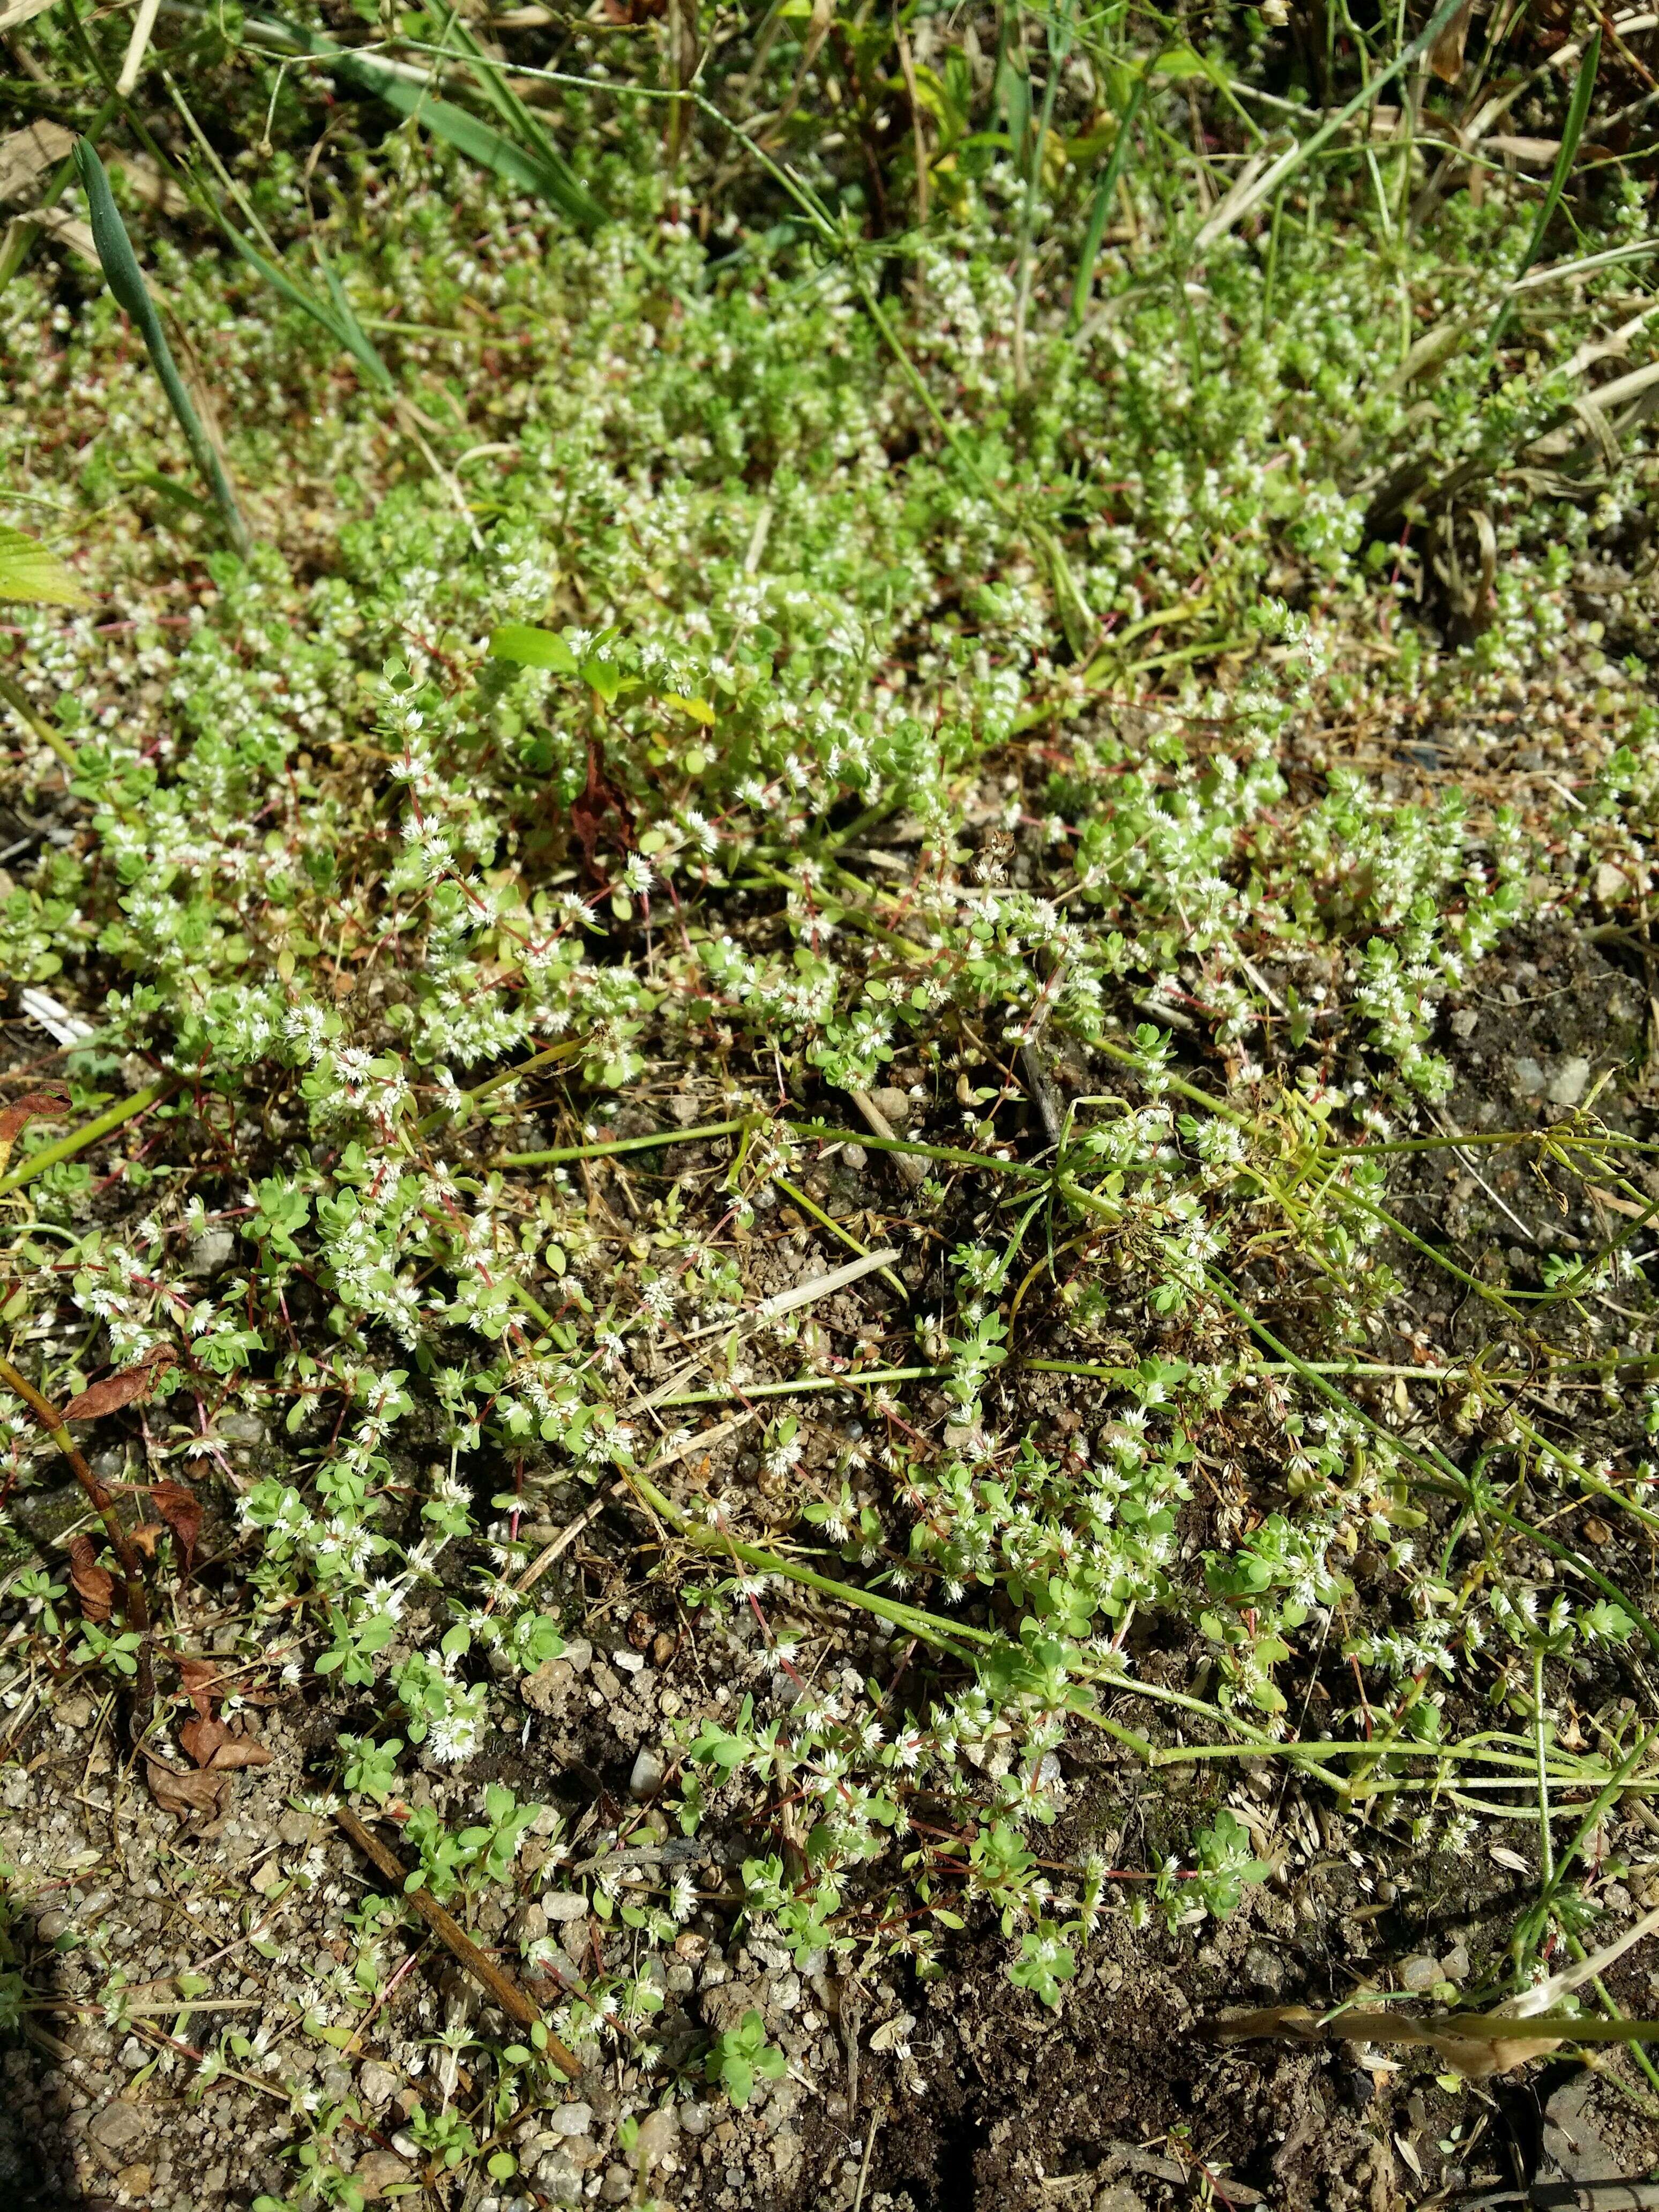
(203, 1737)
(178, 1505)
(599, 799)
(200, 1677)
(129, 1388)
(93, 1585)
(184, 1792)
(241, 1751)
(16, 1117)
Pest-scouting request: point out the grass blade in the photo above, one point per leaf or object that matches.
(539, 168)
(1100, 214)
(341, 325)
(126, 280)
(1584, 92)
(1231, 212)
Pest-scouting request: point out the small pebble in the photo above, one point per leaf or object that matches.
(1420, 1972)
(119, 2125)
(647, 1777)
(1572, 1081)
(659, 2133)
(564, 1905)
(378, 2083)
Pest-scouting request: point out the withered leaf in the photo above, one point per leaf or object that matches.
(16, 1117)
(126, 1388)
(202, 1737)
(93, 1585)
(240, 1751)
(200, 1678)
(182, 1791)
(147, 1538)
(600, 798)
(1446, 54)
(178, 1505)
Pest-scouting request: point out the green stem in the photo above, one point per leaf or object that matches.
(43, 730)
(807, 1132)
(1545, 1846)
(947, 1636)
(604, 1150)
(545, 1059)
(1434, 1470)
(817, 1212)
(725, 1393)
(65, 1148)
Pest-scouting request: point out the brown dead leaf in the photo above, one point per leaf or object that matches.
(127, 1388)
(146, 1539)
(16, 1117)
(178, 1505)
(240, 1751)
(180, 1790)
(93, 1585)
(599, 799)
(1446, 54)
(27, 153)
(203, 1737)
(200, 1677)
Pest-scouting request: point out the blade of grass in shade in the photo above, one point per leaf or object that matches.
(1584, 92)
(1100, 214)
(1226, 218)
(539, 168)
(341, 322)
(341, 325)
(522, 119)
(125, 280)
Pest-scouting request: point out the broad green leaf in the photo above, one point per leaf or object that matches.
(33, 572)
(531, 647)
(698, 709)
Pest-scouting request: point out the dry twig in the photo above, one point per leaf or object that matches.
(455, 1938)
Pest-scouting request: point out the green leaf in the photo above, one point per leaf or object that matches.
(531, 647)
(602, 676)
(33, 572)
